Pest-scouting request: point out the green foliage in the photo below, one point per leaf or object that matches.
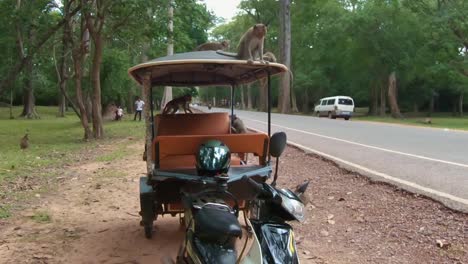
(338, 46)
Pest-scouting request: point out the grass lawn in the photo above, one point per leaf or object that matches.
(53, 140)
(440, 120)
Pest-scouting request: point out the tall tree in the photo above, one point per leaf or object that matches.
(284, 101)
(167, 96)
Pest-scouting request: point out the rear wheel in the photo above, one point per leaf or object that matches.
(331, 116)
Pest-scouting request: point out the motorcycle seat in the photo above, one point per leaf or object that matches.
(216, 225)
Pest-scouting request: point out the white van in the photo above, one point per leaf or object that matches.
(335, 106)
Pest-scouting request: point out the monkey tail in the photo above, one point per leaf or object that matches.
(228, 54)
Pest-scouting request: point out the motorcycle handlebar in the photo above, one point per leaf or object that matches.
(259, 189)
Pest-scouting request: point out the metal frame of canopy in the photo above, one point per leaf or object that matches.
(202, 68)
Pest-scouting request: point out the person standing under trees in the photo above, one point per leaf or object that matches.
(138, 108)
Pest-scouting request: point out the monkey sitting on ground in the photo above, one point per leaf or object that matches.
(176, 103)
(251, 44)
(24, 143)
(223, 45)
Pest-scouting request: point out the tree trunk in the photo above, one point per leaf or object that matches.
(79, 96)
(62, 72)
(415, 108)
(62, 106)
(167, 96)
(460, 104)
(242, 96)
(11, 104)
(392, 96)
(28, 93)
(454, 106)
(294, 101)
(98, 129)
(249, 96)
(305, 107)
(89, 106)
(374, 102)
(431, 104)
(29, 104)
(284, 104)
(78, 55)
(383, 100)
(95, 15)
(130, 101)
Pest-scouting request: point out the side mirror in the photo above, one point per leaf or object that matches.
(277, 144)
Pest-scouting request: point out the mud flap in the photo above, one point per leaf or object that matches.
(147, 206)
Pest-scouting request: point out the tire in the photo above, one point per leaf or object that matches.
(149, 231)
(317, 114)
(346, 118)
(330, 115)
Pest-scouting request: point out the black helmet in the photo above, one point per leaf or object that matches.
(213, 158)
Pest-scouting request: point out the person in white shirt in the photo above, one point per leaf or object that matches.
(139, 108)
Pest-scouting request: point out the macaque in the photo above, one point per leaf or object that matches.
(223, 45)
(269, 56)
(24, 143)
(251, 44)
(238, 126)
(176, 103)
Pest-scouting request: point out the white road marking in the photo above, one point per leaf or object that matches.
(367, 146)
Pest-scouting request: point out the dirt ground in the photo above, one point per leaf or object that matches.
(93, 218)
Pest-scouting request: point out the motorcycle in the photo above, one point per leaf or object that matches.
(212, 225)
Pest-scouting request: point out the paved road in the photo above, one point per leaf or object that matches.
(430, 161)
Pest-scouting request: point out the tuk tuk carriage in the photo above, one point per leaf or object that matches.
(173, 142)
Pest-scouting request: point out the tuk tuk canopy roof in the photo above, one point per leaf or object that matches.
(203, 68)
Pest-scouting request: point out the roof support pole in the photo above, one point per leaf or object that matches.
(269, 109)
(148, 121)
(232, 103)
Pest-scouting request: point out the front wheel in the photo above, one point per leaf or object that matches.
(149, 231)
(346, 118)
(330, 115)
(317, 114)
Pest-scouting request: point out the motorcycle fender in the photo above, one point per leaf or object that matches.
(254, 255)
(277, 243)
